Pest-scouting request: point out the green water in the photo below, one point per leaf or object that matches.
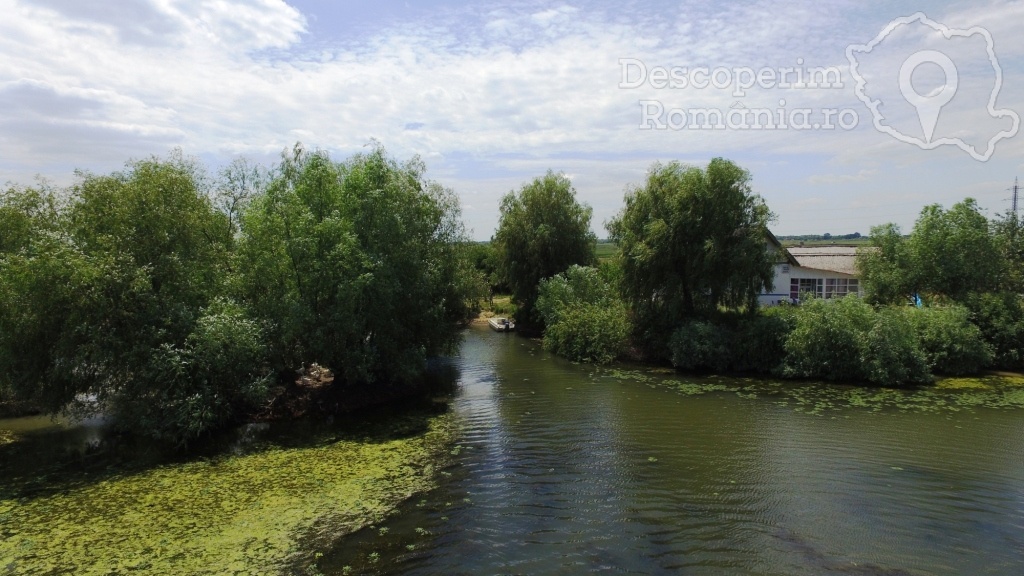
(534, 465)
(262, 500)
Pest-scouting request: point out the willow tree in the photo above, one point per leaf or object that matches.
(114, 301)
(357, 265)
(542, 230)
(692, 241)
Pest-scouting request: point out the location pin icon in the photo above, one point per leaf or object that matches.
(928, 107)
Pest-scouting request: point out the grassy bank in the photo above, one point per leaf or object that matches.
(268, 511)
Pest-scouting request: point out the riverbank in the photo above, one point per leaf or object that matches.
(263, 509)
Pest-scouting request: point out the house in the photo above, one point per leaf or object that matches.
(825, 271)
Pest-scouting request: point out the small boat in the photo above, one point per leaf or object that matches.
(502, 324)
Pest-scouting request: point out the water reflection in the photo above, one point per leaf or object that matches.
(565, 470)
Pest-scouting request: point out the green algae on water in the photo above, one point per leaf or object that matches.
(257, 513)
(1001, 390)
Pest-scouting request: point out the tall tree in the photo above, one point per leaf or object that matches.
(358, 265)
(236, 185)
(692, 241)
(541, 232)
(116, 305)
(884, 266)
(1008, 230)
(951, 253)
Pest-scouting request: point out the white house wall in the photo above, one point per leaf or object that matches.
(780, 289)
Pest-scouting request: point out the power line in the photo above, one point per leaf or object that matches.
(1016, 190)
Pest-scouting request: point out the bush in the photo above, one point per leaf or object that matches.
(504, 309)
(951, 343)
(589, 333)
(760, 341)
(826, 340)
(891, 353)
(1000, 318)
(847, 340)
(585, 320)
(213, 377)
(701, 346)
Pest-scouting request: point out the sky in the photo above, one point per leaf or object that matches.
(913, 103)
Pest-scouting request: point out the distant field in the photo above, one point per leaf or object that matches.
(853, 242)
(606, 250)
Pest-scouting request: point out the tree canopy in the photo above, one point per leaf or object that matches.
(117, 303)
(168, 304)
(692, 240)
(357, 265)
(951, 253)
(542, 231)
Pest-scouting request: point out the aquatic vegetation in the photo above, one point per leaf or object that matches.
(261, 512)
(1002, 390)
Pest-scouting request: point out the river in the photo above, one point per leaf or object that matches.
(567, 469)
(562, 468)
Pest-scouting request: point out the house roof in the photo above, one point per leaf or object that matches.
(841, 259)
(780, 250)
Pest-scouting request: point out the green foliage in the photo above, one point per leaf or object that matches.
(748, 343)
(699, 345)
(951, 343)
(183, 391)
(846, 340)
(542, 230)
(891, 353)
(827, 338)
(585, 319)
(951, 253)
(591, 333)
(360, 265)
(885, 266)
(578, 285)
(112, 296)
(24, 214)
(760, 341)
(692, 241)
(140, 296)
(1000, 318)
(485, 262)
(1008, 231)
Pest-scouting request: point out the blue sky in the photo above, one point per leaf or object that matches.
(492, 94)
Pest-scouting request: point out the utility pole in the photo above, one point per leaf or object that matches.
(1016, 190)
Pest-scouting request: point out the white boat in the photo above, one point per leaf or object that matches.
(502, 324)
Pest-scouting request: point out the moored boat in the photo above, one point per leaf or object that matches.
(502, 324)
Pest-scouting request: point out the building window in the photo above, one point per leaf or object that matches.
(785, 268)
(800, 286)
(839, 287)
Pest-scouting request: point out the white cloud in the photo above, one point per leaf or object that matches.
(91, 83)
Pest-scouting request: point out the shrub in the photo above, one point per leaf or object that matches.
(827, 338)
(589, 333)
(1000, 318)
(504, 308)
(760, 341)
(951, 343)
(585, 320)
(847, 340)
(701, 346)
(891, 353)
(186, 390)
